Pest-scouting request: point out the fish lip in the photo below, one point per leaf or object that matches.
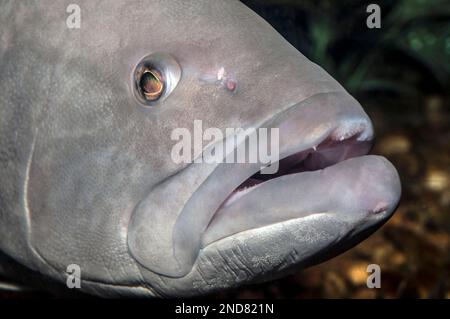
(373, 214)
(351, 140)
(177, 233)
(341, 126)
(306, 152)
(361, 132)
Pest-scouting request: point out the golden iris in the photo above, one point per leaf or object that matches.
(151, 84)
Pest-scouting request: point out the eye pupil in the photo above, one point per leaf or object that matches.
(154, 78)
(151, 84)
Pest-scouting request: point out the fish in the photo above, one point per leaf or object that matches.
(90, 95)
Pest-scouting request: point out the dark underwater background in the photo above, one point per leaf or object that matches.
(400, 73)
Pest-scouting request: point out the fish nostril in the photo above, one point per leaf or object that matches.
(231, 85)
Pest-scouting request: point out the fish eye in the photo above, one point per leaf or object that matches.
(155, 77)
(151, 84)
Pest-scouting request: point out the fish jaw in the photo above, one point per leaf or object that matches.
(355, 190)
(341, 194)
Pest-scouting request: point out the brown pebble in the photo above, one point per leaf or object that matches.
(394, 144)
(436, 180)
(398, 259)
(358, 274)
(334, 286)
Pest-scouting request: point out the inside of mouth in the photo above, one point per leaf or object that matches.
(326, 154)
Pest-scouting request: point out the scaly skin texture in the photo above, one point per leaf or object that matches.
(78, 152)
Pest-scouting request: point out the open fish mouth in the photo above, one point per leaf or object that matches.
(263, 193)
(323, 169)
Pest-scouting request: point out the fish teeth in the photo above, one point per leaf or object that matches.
(349, 130)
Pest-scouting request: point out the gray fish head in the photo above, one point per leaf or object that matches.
(105, 193)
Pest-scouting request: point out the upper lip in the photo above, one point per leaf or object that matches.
(325, 153)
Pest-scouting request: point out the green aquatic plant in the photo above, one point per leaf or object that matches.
(411, 50)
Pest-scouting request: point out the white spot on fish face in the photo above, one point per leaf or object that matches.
(222, 78)
(220, 74)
